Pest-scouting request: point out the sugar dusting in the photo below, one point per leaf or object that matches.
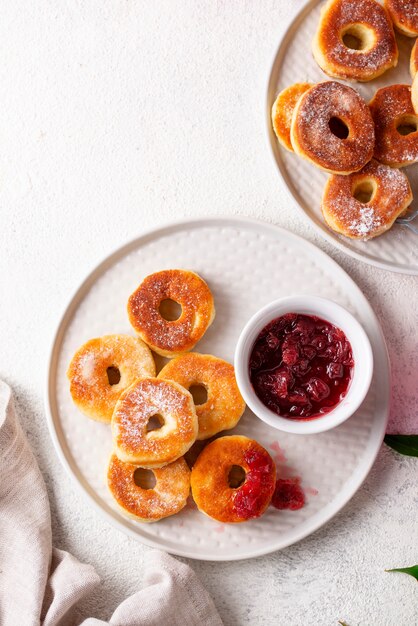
(405, 12)
(360, 220)
(366, 221)
(184, 287)
(356, 63)
(89, 385)
(168, 496)
(388, 106)
(92, 359)
(147, 398)
(87, 365)
(323, 102)
(224, 405)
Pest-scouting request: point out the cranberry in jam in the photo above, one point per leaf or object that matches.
(301, 366)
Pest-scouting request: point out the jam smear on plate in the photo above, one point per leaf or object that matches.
(301, 366)
(288, 494)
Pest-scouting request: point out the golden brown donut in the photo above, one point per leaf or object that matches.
(333, 129)
(167, 497)
(171, 338)
(404, 14)
(224, 404)
(213, 488)
(366, 204)
(355, 40)
(396, 126)
(282, 111)
(96, 366)
(156, 400)
(413, 67)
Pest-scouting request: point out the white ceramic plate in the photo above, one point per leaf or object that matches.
(246, 264)
(396, 250)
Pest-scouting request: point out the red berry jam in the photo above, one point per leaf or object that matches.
(254, 495)
(288, 494)
(301, 366)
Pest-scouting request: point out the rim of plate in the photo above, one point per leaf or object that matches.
(306, 528)
(280, 168)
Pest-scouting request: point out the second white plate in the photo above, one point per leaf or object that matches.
(396, 250)
(246, 264)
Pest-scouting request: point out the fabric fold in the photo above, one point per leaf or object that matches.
(25, 523)
(41, 585)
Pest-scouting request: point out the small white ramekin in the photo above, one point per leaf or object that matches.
(330, 312)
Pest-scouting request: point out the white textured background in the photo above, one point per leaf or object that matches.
(117, 115)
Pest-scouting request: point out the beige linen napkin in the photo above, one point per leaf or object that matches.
(41, 585)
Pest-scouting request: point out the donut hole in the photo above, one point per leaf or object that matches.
(338, 127)
(155, 422)
(144, 478)
(407, 124)
(365, 190)
(358, 37)
(236, 476)
(199, 394)
(170, 310)
(113, 375)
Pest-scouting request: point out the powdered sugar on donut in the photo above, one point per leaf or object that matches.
(143, 400)
(365, 222)
(89, 384)
(168, 496)
(313, 138)
(348, 215)
(404, 13)
(87, 365)
(187, 289)
(388, 107)
(224, 405)
(346, 62)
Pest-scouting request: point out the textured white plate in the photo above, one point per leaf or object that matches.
(246, 264)
(397, 250)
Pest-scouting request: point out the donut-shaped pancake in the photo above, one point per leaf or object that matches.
(233, 479)
(332, 128)
(171, 337)
(414, 60)
(282, 111)
(396, 125)
(366, 204)
(167, 497)
(103, 368)
(355, 40)
(162, 405)
(404, 14)
(224, 405)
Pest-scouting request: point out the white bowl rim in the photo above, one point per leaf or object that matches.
(331, 312)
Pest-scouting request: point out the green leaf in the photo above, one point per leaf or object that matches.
(412, 571)
(404, 444)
